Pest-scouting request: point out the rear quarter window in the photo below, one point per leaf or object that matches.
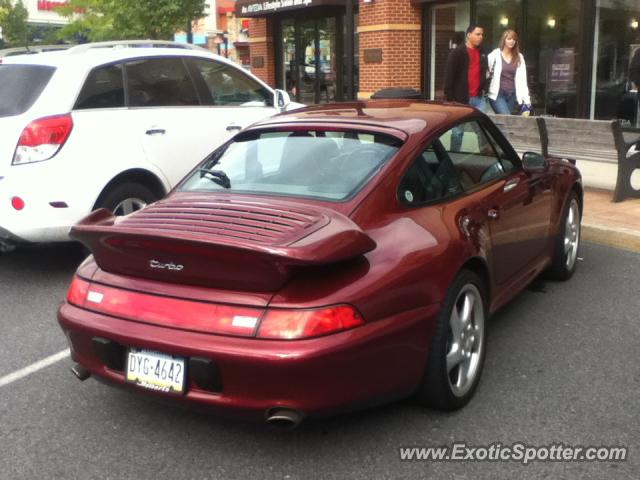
(104, 88)
(21, 86)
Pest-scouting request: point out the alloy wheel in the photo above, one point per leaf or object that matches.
(572, 234)
(129, 205)
(466, 340)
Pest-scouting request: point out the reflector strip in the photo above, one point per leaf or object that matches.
(173, 312)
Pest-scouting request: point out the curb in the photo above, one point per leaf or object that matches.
(617, 237)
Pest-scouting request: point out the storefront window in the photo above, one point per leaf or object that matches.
(552, 53)
(617, 40)
(495, 16)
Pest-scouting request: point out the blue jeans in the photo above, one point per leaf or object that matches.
(479, 102)
(457, 132)
(505, 104)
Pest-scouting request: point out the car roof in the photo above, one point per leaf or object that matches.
(411, 117)
(32, 49)
(89, 56)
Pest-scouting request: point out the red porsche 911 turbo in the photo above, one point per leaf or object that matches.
(323, 260)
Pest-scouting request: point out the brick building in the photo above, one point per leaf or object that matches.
(577, 51)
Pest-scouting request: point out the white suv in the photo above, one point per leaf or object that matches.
(110, 125)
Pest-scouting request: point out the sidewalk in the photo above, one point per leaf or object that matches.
(613, 224)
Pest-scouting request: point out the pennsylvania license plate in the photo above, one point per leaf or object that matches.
(156, 371)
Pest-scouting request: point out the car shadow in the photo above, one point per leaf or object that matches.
(43, 259)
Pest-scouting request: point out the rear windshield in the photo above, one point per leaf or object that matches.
(20, 87)
(328, 165)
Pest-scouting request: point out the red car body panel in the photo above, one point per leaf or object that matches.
(392, 262)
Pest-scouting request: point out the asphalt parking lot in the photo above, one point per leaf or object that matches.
(561, 367)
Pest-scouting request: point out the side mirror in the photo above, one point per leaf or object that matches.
(533, 162)
(281, 99)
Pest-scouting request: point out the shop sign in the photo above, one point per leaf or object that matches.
(50, 5)
(273, 6)
(562, 69)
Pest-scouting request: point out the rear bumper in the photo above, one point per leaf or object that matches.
(371, 364)
(51, 206)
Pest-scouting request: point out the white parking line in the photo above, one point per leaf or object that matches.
(34, 367)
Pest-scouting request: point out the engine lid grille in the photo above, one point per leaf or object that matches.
(264, 225)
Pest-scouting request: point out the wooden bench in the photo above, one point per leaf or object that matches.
(579, 139)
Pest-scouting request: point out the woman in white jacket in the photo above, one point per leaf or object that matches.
(508, 72)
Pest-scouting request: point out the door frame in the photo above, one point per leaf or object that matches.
(428, 43)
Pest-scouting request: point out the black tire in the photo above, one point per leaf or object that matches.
(126, 198)
(437, 389)
(565, 258)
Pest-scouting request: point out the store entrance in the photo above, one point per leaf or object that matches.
(310, 68)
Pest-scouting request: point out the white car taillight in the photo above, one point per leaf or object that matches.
(42, 139)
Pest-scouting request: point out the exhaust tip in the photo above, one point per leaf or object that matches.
(80, 372)
(283, 418)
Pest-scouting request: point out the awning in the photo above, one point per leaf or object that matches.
(262, 8)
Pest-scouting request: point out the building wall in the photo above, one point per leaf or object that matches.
(395, 27)
(261, 41)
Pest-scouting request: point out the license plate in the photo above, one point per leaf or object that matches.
(156, 371)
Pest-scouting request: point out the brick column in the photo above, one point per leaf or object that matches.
(395, 27)
(263, 60)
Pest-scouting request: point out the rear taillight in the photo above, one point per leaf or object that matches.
(170, 312)
(295, 324)
(78, 290)
(42, 139)
(212, 318)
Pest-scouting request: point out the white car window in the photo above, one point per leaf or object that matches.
(160, 82)
(103, 88)
(20, 87)
(230, 86)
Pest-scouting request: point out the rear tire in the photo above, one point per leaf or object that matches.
(458, 346)
(565, 252)
(127, 198)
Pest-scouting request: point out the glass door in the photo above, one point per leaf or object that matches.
(309, 53)
(289, 63)
(448, 24)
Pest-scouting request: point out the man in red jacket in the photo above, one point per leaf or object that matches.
(465, 76)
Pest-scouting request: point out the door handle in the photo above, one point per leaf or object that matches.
(156, 131)
(493, 213)
(231, 128)
(511, 184)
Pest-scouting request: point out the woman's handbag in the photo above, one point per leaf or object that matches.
(525, 110)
